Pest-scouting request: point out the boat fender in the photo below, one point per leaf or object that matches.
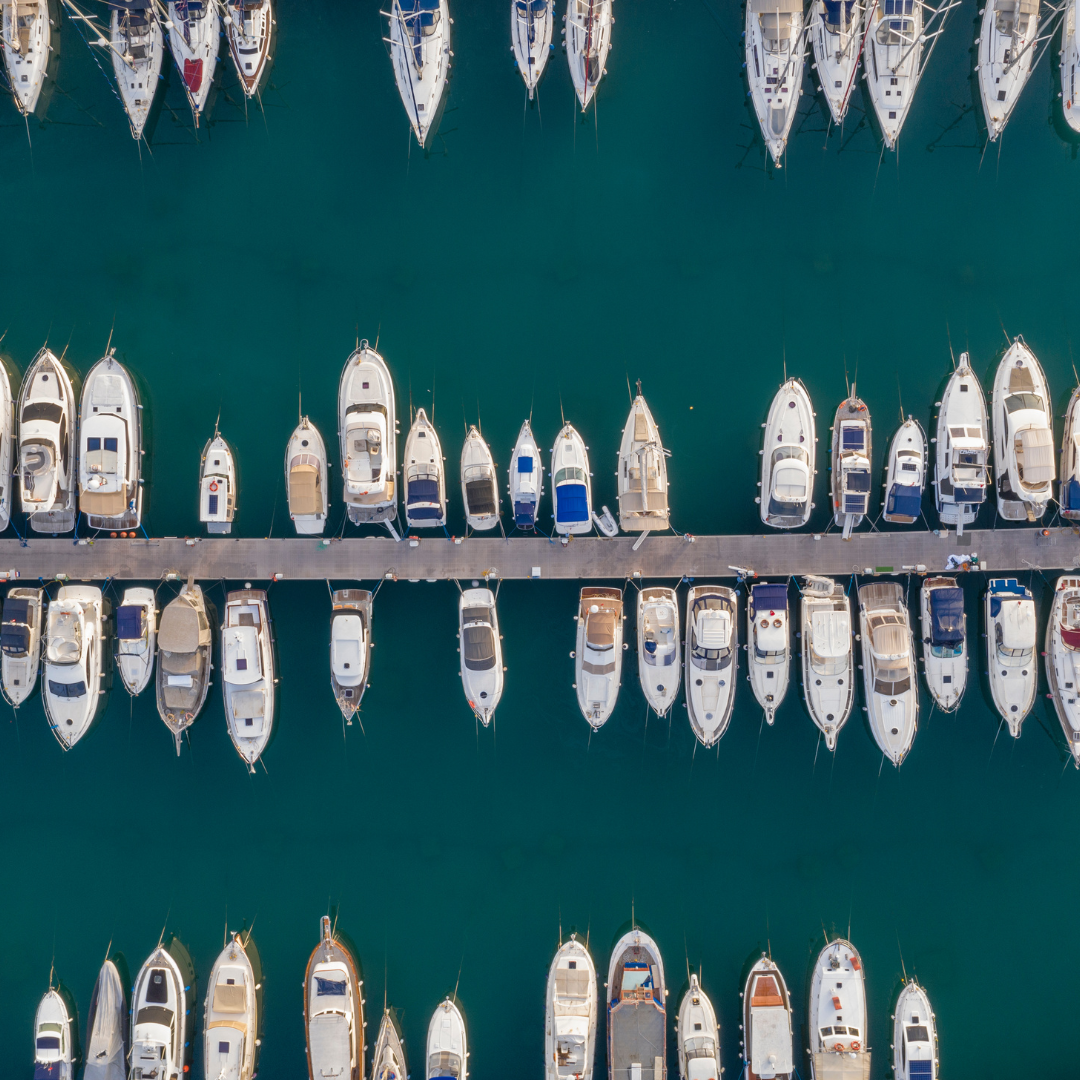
(213, 485)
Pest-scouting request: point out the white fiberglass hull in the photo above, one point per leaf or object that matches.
(962, 450)
(138, 48)
(1069, 469)
(892, 65)
(659, 649)
(420, 53)
(1010, 650)
(588, 42)
(75, 662)
(698, 1034)
(532, 23)
(1070, 65)
(217, 487)
(19, 667)
(838, 993)
(350, 648)
(570, 1018)
(526, 479)
(905, 477)
(479, 484)
(307, 479)
(447, 1042)
(712, 660)
(250, 25)
(481, 652)
(54, 1040)
(248, 673)
(367, 430)
(788, 459)
(775, 56)
(1063, 660)
(571, 484)
(945, 664)
(914, 1041)
(598, 656)
(7, 446)
(230, 1015)
(27, 41)
(769, 647)
(388, 1060)
(194, 42)
(135, 657)
(425, 476)
(1006, 53)
(642, 476)
(836, 53)
(159, 1018)
(828, 667)
(106, 1027)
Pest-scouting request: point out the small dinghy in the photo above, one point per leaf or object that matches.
(1070, 64)
(136, 638)
(333, 1010)
(636, 1008)
(420, 51)
(963, 449)
(159, 1019)
(838, 1031)
(769, 648)
(27, 41)
(788, 459)
(598, 657)
(248, 680)
(1069, 499)
(250, 27)
(944, 639)
(306, 479)
(775, 41)
(388, 1061)
(217, 486)
(1006, 42)
(836, 30)
(425, 476)
(1010, 650)
(7, 446)
(1023, 436)
(138, 48)
(905, 474)
(828, 668)
(605, 523)
(915, 1043)
(447, 1044)
(107, 1027)
(20, 642)
(1063, 659)
(532, 23)
(479, 487)
(231, 1015)
(47, 451)
(570, 1028)
(526, 478)
(195, 38)
(698, 1035)
(588, 42)
(659, 648)
(851, 458)
(481, 652)
(571, 484)
(642, 476)
(350, 648)
(766, 1007)
(712, 660)
(76, 656)
(54, 1040)
(185, 645)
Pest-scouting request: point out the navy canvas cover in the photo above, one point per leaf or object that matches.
(1071, 500)
(768, 597)
(524, 514)
(423, 491)
(947, 616)
(329, 987)
(525, 465)
(50, 1071)
(905, 501)
(854, 438)
(572, 502)
(129, 622)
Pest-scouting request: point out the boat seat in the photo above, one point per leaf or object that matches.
(230, 998)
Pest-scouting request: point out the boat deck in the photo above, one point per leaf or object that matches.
(637, 1037)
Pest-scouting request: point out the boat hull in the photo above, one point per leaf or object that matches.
(425, 476)
(1063, 660)
(74, 688)
(350, 648)
(1005, 59)
(598, 657)
(959, 488)
(774, 67)
(571, 484)
(366, 403)
(659, 648)
(642, 475)
(588, 42)
(195, 43)
(480, 648)
(135, 662)
(231, 1015)
(570, 1018)
(250, 696)
(137, 80)
(913, 1011)
(526, 479)
(838, 993)
(837, 50)
(20, 673)
(711, 681)
(421, 66)
(1010, 646)
(250, 32)
(828, 667)
(636, 1008)
(307, 480)
(906, 474)
(185, 657)
(1070, 65)
(788, 459)
(530, 37)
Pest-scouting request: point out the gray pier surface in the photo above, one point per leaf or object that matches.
(434, 558)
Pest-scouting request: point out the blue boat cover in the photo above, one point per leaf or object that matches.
(525, 464)
(947, 616)
(129, 622)
(768, 597)
(1071, 500)
(16, 610)
(421, 513)
(1003, 585)
(422, 491)
(572, 503)
(50, 1071)
(920, 1068)
(329, 987)
(525, 514)
(854, 437)
(905, 501)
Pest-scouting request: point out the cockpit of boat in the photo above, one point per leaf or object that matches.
(658, 635)
(600, 629)
(65, 638)
(1070, 623)
(444, 1065)
(839, 16)
(1014, 16)
(364, 439)
(777, 20)
(712, 637)
(477, 639)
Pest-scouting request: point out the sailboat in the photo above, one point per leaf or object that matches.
(712, 660)
(658, 646)
(420, 52)
(1011, 662)
(425, 476)
(136, 638)
(55, 1039)
(447, 1043)
(526, 479)
(571, 484)
(249, 26)
(642, 475)
(138, 48)
(698, 1035)
(231, 1015)
(481, 652)
(333, 1010)
(479, 486)
(1069, 497)
(107, 1027)
(20, 642)
(915, 1041)
(851, 458)
(906, 474)
(306, 479)
(838, 1018)
(828, 667)
(248, 679)
(160, 1018)
(195, 38)
(769, 648)
(963, 449)
(1007, 40)
(1063, 659)
(836, 30)
(588, 42)
(636, 1008)
(788, 458)
(1070, 64)
(217, 485)
(350, 648)
(775, 42)
(532, 23)
(767, 1047)
(598, 656)
(570, 1021)
(7, 446)
(26, 28)
(388, 1060)
(185, 645)
(944, 639)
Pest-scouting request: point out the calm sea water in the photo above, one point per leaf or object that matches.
(533, 260)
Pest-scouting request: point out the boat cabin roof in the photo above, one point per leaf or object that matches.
(831, 633)
(183, 627)
(1016, 619)
(240, 652)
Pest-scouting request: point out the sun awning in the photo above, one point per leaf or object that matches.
(1036, 455)
(304, 489)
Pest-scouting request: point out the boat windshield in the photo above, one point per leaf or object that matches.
(1020, 402)
(525, 7)
(570, 474)
(896, 31)
(67, 690)
(444, 1064)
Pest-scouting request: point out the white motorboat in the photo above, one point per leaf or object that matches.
(47, 450)
(944, 640)
(890, 683)
(447, 1044)
(107, 1027)
(1010, 650)
(526, 478)
(836, 30)
(425, 476)
(250, 28)
(828, 667)
(1070, 64)
(54, 1040)
(588, 41)
(642, 476)
(350, 648)
(195, 38)
(775, 42)
(306, 479)
(1006, 44)
(248, 679)
(367, 428)
(571, 483)
(915, 1042)
(185, 648)
(1069, 496)
(788, 458)
(698, 1035)
(159, 1019)
(906, 474)
(712, 660)
(388, 1061)
(570, 1025)
(7, 446)
(231, 1015)
(217, 486)
(532, 23)
(658, 646)
(769, 648)
(963, 449)
(136, 638)
(1063, 659)
(333, 1010)
(598, 656)
(479, 486)
(838, 1030)
(110, 464)
(636, 1009)
(27, 41)
(767, 1046)
(481, 652)
(137, 48)
(20, 642)
(420, 52)
(852, 455)
(75, 661)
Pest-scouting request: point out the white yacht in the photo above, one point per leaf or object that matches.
(767, 1047)
(136, 638)
(836, 30)
(333, 1010)
(828, 667)
(1010, 650)
(712, 660)
(110, 462)
(526, 479)
(588, 42)
(659, 648)
(636, 1009)
(775, 42)
(27, 31)
(837, 1010)
(1069, 478)
(788, 459)
(481, 652)
(425, 476)
(159, 1019)
(769, 648)
(447, 1044)
(479, 486)
(698, 1035)
(388, 1061)
(532, 23)
(915, 1043)
(76, 658)
(137, 48)
(571, 483)
(194, 38)
(107, 1027)
(350, 648)
(570, 1024)
(1063, 659)
(598, 656)
(231, 1015)
(420, 52)
(944, 640)
(1006, 53)
(1023, 436)
(852, 455)
(248, 679)
(47, 450)
(217, 486)
(642, 476)
(306, 479)
(962, 451)
(1070, 64)
(185, 654)
(7, 446)
(55, 1042)
(906, 474)
(20, 642)
(250, 29)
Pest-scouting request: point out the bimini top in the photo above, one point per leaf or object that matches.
(1035, 455)
(768, 597)
(947, 616)
(904, 501)
(304, 486)
(572, 501)
(180, 631)
(129, 622)
(15, 631)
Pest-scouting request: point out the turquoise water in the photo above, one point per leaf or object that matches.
(533, 259)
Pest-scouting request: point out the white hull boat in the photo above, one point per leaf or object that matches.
(775, 43)
(479, 486)
(217, 486)
(598, 656)
(788, 459)
(75, 661)
(231, 1015)
(963, 449)
(20, 643)
(1069, 496)
(138, 48)
(447, 1044)
(852, 455)
(828, 667)
(250, 26)
(906, 474)
(838, 1032)
(570, 1027)
(712, 660)
(1063, 659)
(526, 479)
(571, 484)
(1010, 647)
(425, 476)
(698, 1035)
(107, 1027)
(136, 638)
(54, 1040)
(1006, 52)
(420, 52)
(915, 1043)
(350, 648)
(836, 30)
(27, 41)
(7, 446)
(769, 648)
(306, 479)
(333, 1010)
(248, 680)
(159, 1019)
(388, 1061)
(636, 1009)
(588, 42)
(659, 647)
(532, 23)
(944, 640)
(642, 476)
(766, 1008)
(194, 38)
(481, 652)
(185, 659)
(1070, 64)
